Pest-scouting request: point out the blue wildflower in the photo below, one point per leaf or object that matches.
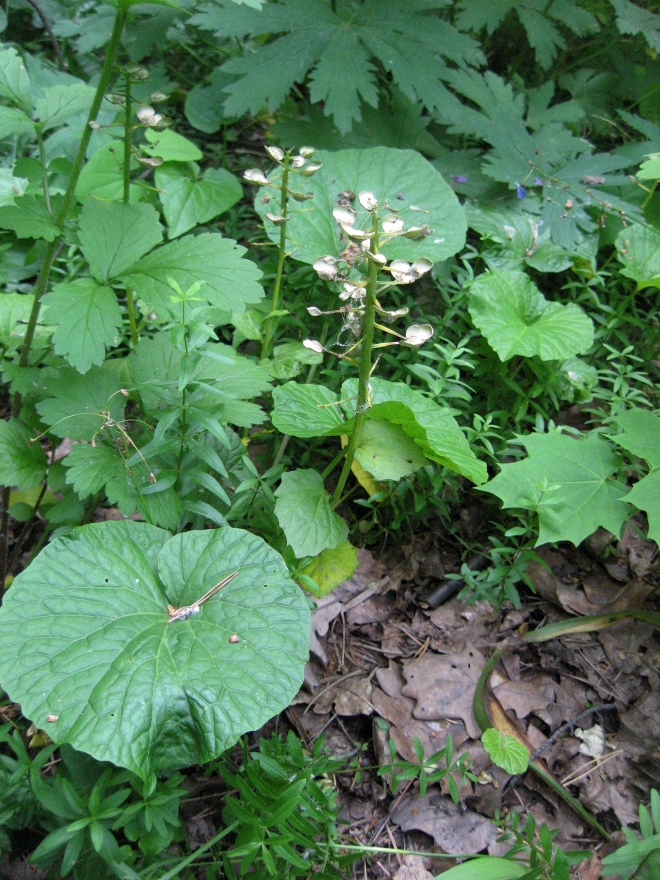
(521, 192)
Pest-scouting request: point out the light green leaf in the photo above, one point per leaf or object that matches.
(485, 868)
(15, 311)
(332, 567)
(114, 235)
(645, 495)
(14, 121)
(505, 751)
(171, 147)
(386, 452)
(103, 177)
(410, 185)
(638, 250)
(305, 514)
(650, 170)
(28, 217)
(58, 104)
(89, 321)
(568, 483)
(432, 427)
(90, 468)
(187, 202)
(21, 464)
(515, 318)
(229, 280)
(80, 405)
(10, 187)
(155, 365)
(158, 695)
(641, 434)
(290, 358)
(306, 410)
(14, 80)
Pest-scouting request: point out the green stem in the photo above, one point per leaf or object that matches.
(67, 201)
(274, 305)
(128, 131)
(365, 364)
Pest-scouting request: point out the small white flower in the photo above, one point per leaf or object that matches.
(326, 268)
(255, 175)
(368, 200)
(275, 153)
(313, 345)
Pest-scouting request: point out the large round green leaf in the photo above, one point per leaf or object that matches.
(90, 653)
(409, 184)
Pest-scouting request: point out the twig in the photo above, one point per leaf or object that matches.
(56, 46)
(604, 707)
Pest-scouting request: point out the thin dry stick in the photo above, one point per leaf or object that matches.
(587, 768)
(49, 31)
(187, 611)
(565, 728)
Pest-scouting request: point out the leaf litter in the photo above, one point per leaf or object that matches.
(386, 668)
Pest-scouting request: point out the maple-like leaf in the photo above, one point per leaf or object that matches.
(568, 483)
(337, 48)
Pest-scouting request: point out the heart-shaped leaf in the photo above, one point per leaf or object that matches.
(93, 656)
(403, 178)
(515, 318)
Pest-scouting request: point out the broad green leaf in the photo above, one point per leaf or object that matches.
(28, 217)
(22, 463)
(89, 321)
(432, 427)
(505, 751)
(410, 185)
(90, 468)
(155, 365)
(305, 514)
(289, 359)
(59, 103)
(10, 187)
(163, 509)
(188, 201)
(80, 406)
(158, 695)
(171, 147)
(485, 868)
(638, 250)
(14, 80)
(306, 410)
(645, 495)
(641, 434)
(229, 280)
(102, 176)
(386, 452)
(14, 121)
(515, 318)
(568, 483)
(332, 567)
(114, 235)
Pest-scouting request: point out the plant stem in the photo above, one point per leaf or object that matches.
(365, 364)
(265, 346)
(128, 132)
(44, 275)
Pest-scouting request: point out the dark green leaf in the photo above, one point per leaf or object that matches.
(304, 512)
(158, 695)
(114, 235)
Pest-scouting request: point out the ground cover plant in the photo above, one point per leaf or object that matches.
(282, 281)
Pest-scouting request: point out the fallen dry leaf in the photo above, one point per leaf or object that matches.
(413, 869)
(443, 686)
(452, 828)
